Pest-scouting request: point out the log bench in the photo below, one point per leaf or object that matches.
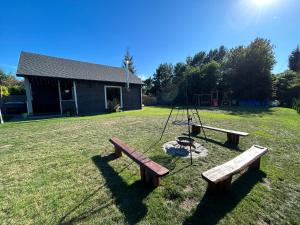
(151, 172)
(233, 136)
(219, 178)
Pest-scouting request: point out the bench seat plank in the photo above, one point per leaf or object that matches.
(223, 130)
(139, 158)
(234, 166)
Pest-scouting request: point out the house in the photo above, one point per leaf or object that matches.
(56, 85)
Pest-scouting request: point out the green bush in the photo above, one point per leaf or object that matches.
(17, 90)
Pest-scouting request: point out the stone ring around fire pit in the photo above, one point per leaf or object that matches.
(182, 149)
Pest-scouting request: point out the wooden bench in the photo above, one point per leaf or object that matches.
(150, 170)
(219, 178)
(233, 137)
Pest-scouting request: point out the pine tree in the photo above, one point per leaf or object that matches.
(294, 60)
(128, 58)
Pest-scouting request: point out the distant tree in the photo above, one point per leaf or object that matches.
(233, 74)
(9, 85)
(162, 80)
(179, 72)
(163, 76)
(212, 54)
(286, 87)
(217, 55)
(294, 60)
(198, 59)
(15, 87)
(244, 72)
(220, 56)
(148, 87)
(3, 76)
(247, 71)
(203, 80)
(3, 92)
(212, 75)
(189, 60)
(128, 58)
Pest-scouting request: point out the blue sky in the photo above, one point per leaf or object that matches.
(155, 31)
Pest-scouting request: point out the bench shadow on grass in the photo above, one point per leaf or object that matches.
(225, 144)
(212, 208)
(128, 198)
(63, 220)
(240, 110)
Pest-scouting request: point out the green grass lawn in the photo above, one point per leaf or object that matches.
(62, 171)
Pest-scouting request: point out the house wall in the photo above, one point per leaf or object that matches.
(88, 95)
(132, 98)
(91, 97)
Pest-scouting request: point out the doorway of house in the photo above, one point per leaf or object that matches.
(45, 98)
(113, 95)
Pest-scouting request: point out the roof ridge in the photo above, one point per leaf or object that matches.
(34, 64)
(74, 60)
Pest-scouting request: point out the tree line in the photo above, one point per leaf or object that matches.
(243, 73)
(9, 85)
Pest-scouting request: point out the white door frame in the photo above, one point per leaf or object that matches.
(105, 99)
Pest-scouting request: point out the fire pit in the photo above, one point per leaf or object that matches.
(185, 147)
(185, 141)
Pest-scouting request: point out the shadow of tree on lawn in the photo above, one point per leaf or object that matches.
(212, 208)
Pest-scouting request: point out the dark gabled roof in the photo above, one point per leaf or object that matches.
(31, 64)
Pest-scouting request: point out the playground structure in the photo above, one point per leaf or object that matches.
(207, 99)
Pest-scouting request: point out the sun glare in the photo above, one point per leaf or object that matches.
(261, 3)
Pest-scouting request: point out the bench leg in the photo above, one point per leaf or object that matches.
(255, 165)
(145, 176)
(196, 130)
(220, 187)
(118, 152)
(233, 139)
(155, 181)
(149, 178)
(143, 173)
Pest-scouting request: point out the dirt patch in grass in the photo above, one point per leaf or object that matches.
(188, 189)
(188, 204)
(267, 183)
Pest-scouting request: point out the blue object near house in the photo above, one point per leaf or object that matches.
(254, 103)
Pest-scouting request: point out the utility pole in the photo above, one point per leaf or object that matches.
(127, 74)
